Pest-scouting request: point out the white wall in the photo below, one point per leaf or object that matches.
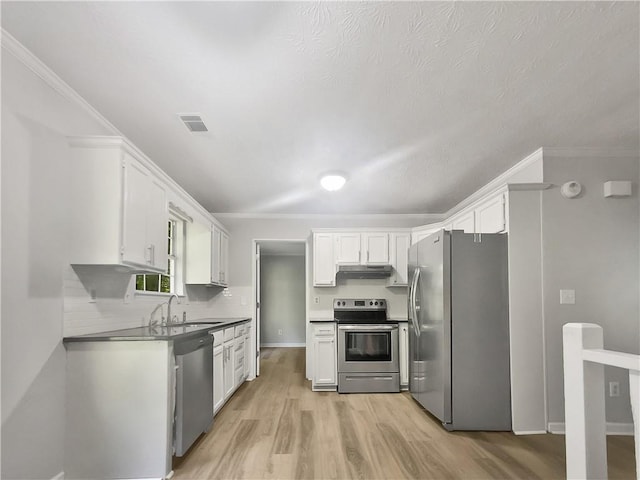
(35, 121)
(282, 299)
(528, 399)
(44, 298)
(591, 244)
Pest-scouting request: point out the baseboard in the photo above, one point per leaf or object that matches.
(530, 432)
(285, 345)
(59, 476)
(613, 428)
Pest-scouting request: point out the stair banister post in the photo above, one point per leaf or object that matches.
(584, 403)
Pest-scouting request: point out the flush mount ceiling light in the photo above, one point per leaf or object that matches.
(333, 181)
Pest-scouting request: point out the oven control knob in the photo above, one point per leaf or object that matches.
(370, 303)
(376, 303)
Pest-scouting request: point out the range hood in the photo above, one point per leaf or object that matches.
(365, 271)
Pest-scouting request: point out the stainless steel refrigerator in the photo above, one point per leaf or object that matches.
(459, 329)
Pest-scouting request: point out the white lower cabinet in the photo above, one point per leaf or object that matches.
(218, 377)
(325, 375)
(229, 363)
(403, 353)
(247, 351)
(231, 348)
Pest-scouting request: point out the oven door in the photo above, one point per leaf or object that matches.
(367, 348)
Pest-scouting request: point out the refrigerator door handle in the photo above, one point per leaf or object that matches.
(414, 310)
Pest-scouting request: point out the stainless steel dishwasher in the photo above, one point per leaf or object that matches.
(194, 390)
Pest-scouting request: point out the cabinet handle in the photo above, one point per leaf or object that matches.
(367, 256)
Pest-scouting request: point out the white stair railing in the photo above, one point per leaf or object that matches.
(584, 394)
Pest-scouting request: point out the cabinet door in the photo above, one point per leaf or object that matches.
(157, 225)
(324, 361)
(464, 222)
(418, 235)
(490, 216)
(348, 248)
(403, 352)
(216, 239)
(135, 249)
(144, 229)
(229, 370)
(198, 253)
(224, 258)
(375, 248)
(399, 245)
(247, 351)
(324, 267)
(218, 377)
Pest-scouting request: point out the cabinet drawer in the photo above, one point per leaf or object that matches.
(324, 330)
(239, 330)
(228, 334)
(218, 338)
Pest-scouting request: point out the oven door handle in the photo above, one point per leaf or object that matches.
(368, 328)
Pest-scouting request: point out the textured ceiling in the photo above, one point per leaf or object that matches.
(419, 103)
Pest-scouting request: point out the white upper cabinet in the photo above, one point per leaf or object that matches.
(490, 215)
(375, 248)
(368, 248)
(348, 248)
(199, 251)
(465, 222)
(324, 263)
(399, 245)
(419, 233)
(145, 217)
(118, 207)
(220, 257)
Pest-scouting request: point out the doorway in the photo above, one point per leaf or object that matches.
(280, 283)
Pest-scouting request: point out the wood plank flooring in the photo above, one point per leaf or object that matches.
(277, 428)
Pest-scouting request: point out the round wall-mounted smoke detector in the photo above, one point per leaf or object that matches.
(571, 189)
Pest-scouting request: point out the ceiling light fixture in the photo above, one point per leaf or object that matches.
(333, 181)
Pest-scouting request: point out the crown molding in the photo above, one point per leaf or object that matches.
(527, 187)
(37, 66)
(498, 183)
(322, 216)
(590, 152)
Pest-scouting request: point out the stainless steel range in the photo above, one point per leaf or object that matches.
(367, 346)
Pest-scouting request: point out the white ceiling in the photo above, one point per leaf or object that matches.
(419, 103)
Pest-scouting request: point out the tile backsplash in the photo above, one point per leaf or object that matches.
(99, 298)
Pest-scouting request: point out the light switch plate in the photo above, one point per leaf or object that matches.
(567, 297)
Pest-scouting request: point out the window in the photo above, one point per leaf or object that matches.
(171, 282)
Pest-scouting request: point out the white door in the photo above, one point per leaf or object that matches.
(257, 350)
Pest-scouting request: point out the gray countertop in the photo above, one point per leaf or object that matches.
(180, 331)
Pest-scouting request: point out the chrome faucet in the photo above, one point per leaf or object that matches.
(152, 321)
(169, 318)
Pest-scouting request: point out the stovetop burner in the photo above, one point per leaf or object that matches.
(360, 310)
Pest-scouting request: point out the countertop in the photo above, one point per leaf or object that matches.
(179, 331)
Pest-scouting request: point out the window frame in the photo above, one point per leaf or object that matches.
(175, 251)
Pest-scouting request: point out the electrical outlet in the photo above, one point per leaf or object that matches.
(280, 331)
(316, 300)
(184, 317)
(614, 389)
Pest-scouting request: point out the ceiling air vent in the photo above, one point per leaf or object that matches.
(194, 123)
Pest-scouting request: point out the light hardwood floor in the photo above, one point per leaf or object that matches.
(275, 427)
